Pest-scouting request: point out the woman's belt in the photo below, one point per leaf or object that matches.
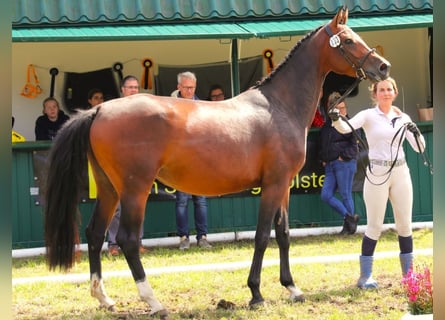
(387, 163)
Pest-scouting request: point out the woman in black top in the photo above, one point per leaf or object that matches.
(51, 121)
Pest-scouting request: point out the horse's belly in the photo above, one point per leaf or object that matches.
(208, 182)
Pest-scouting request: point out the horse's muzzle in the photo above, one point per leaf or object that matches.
(381, 73)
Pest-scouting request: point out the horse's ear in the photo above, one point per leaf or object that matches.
(342, 15)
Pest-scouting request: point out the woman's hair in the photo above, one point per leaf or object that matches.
(333, 97)
(373, 87)
(92, 92)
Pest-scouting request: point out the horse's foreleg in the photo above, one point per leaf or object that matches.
(262, 236)
(283, 240)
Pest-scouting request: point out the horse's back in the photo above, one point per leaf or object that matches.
(139, 119)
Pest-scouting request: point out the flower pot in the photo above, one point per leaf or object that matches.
(409, 316)
(425, 114)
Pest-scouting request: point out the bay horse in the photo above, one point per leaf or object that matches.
(257, 138)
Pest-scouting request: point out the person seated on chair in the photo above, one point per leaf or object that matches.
(95, 97)
(216, 93)
(51, 121)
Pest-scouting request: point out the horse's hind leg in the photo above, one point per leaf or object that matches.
(133, 209)
(282, 235)
(95, 232)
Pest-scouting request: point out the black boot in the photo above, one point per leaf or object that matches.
(345, 229)
(351, 222)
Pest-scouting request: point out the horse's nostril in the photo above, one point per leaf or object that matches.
(384, 67)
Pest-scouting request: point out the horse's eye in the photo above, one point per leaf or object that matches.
(349, 41)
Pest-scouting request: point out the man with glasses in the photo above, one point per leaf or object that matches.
(130, 85)
(216, 93)
(186, 90)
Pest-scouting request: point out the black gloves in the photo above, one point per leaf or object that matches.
(334, 114)
(413, 128)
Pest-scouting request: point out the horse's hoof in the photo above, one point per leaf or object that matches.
(299, 298)
(296, 295)
(162, 314)
(111, 308)
(256, 303)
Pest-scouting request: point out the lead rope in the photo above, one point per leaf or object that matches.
(426, 160)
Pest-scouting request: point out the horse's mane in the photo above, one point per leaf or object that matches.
(285, 60)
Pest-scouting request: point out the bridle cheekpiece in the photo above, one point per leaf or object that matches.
(335, 42)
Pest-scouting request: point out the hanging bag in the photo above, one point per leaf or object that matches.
(32, 87)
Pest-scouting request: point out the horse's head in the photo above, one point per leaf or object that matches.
(349, 54)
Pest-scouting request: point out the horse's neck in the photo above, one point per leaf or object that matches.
(299, 82)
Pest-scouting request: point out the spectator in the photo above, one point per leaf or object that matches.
(95, 97)
(186, 90)
(216, 93)
(51, 121)
(339, 158)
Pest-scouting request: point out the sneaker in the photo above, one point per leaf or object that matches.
(113, 250)
(203, 243)
(352, 221)
(345, 229)
(142, 249)
(184, 243)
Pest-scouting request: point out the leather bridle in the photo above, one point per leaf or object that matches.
(335, 42)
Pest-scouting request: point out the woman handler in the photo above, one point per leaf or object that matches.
(386, 127)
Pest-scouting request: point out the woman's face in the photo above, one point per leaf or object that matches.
(385, 92)
(96, 99)
(342, 108)
(51, 109)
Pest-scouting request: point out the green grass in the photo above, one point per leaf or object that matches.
(329, 287)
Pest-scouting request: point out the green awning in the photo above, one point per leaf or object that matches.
(267, 29)
(210, 30)
(130, 33)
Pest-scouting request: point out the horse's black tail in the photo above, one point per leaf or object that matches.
(67, 159)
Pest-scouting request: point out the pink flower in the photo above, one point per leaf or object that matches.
(419, 290)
